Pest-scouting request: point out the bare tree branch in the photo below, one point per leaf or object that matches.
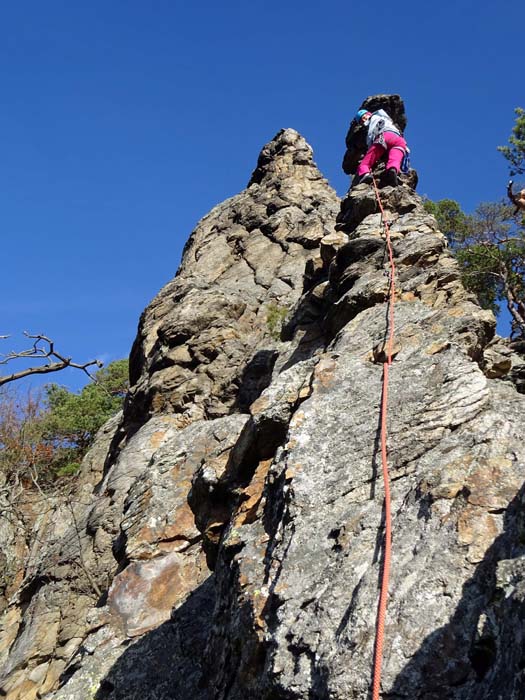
(482, 273)
(43, 348)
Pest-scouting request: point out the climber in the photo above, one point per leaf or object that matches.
(517, 199)
(382, 137)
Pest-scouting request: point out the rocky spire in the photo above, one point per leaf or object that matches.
(205, 342)
(245, 515)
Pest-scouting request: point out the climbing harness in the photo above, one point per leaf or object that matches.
(385, 574)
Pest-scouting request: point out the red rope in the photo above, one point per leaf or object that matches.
(385, 574)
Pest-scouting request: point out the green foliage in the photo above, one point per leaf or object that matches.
(478, 264)
(490, 244)
(275, 316)
(114, 378)
(515, 151)
(71, 420)
(68, 469)
(45, 435)
(490, 248)
(452, 221)
(492, 253)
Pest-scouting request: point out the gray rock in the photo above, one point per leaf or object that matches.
(505, 359)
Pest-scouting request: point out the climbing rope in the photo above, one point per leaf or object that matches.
(385, 574)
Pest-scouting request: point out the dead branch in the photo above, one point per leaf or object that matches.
(43, 348)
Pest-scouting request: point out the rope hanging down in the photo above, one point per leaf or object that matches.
(385, 574)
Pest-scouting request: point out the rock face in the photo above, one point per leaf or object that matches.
(505, 359)
(225, 537)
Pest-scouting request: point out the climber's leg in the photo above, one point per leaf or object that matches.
(395, 158)
(396, 150)
(373, 154)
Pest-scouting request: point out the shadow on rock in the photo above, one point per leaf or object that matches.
(256, 376)
(168, 662)
(303, 325)
(480, 654)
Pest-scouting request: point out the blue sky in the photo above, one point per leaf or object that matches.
(124, 122)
